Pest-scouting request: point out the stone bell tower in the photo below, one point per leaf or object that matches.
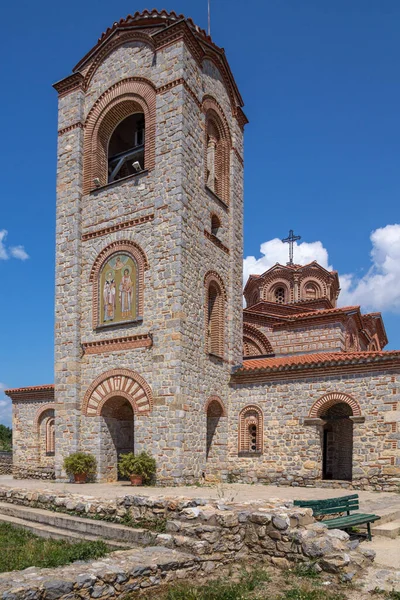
(149, 246)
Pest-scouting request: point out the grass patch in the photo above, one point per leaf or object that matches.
(220, 589)
(21, 549)
(301, 593)
(306, 570)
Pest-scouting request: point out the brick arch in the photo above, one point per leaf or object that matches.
(268, 292)
(209, 405)
(212, 276)
(256, 337)
(224, 77)
(118, 102)
(328, 400)
(122, 383)
(113, 44)
(214, 314)
(217, 125)
(40, 411)
(139, 257)
(250, 415)
(318, 282)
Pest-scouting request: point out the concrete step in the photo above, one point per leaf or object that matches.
(386, 516)
(46, 531)
(391, 530)
(80, 525)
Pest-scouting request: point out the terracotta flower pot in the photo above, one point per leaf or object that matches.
(136, 480)
(80, 477)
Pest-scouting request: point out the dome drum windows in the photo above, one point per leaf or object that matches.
(279, 295)
(250, 431)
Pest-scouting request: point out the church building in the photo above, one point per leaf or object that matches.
(153, 350)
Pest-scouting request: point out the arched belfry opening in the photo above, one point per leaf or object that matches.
(126, 147)
(117, 435)
(337, 442)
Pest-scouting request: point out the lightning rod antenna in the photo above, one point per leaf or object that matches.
(209, 18)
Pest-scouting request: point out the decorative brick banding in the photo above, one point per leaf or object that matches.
(328, 400)
(122, 383)
(118, 102)
(116, 344)
(123, 225)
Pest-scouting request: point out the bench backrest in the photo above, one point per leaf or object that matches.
(330, 506)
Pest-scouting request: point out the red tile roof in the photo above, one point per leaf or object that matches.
(33, 388)
(299, 361)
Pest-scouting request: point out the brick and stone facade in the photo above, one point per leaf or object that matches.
(171, 378)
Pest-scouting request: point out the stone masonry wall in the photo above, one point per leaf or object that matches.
(28, 460)
(330, 337)
(5, 463)
(211, 533)
(173, 194)
(292, 452)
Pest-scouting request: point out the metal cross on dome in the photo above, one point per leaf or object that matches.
(291, 239)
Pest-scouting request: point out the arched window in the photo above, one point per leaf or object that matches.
(215, 317)
(250, 430)
(50, 437)
(126, 148)
(280, 295)
(311, 291)
(118, 283)
(217, 150)
(119, 133)
(215, 225)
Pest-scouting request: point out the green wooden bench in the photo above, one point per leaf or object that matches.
(344, 504)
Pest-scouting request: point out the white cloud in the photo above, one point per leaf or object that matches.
(5, 407)
(275, 251)
(14, 251)
(3, 251)
(18, 252)
(377, 290)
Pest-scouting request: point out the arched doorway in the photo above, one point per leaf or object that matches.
(117, 435)
(337, 442)
(216, 436)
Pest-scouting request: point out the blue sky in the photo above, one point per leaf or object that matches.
(321, 89)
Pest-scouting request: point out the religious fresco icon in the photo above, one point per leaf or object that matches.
(118, 285)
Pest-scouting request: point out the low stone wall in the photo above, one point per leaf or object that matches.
(216, 532)
(29, 472)
(5, 463)
(378, 483)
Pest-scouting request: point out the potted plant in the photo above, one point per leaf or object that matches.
(140, 468)
(80, 465)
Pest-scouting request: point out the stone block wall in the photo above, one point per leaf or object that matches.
(29, 451)
(165, 211)
(329, 337)
(212, 533)
(5, 463)
(293, 443)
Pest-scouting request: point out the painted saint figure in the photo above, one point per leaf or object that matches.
(109, 297)
(125, 295)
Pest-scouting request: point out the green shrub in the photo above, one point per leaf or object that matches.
(137, 464)
(80, 462)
